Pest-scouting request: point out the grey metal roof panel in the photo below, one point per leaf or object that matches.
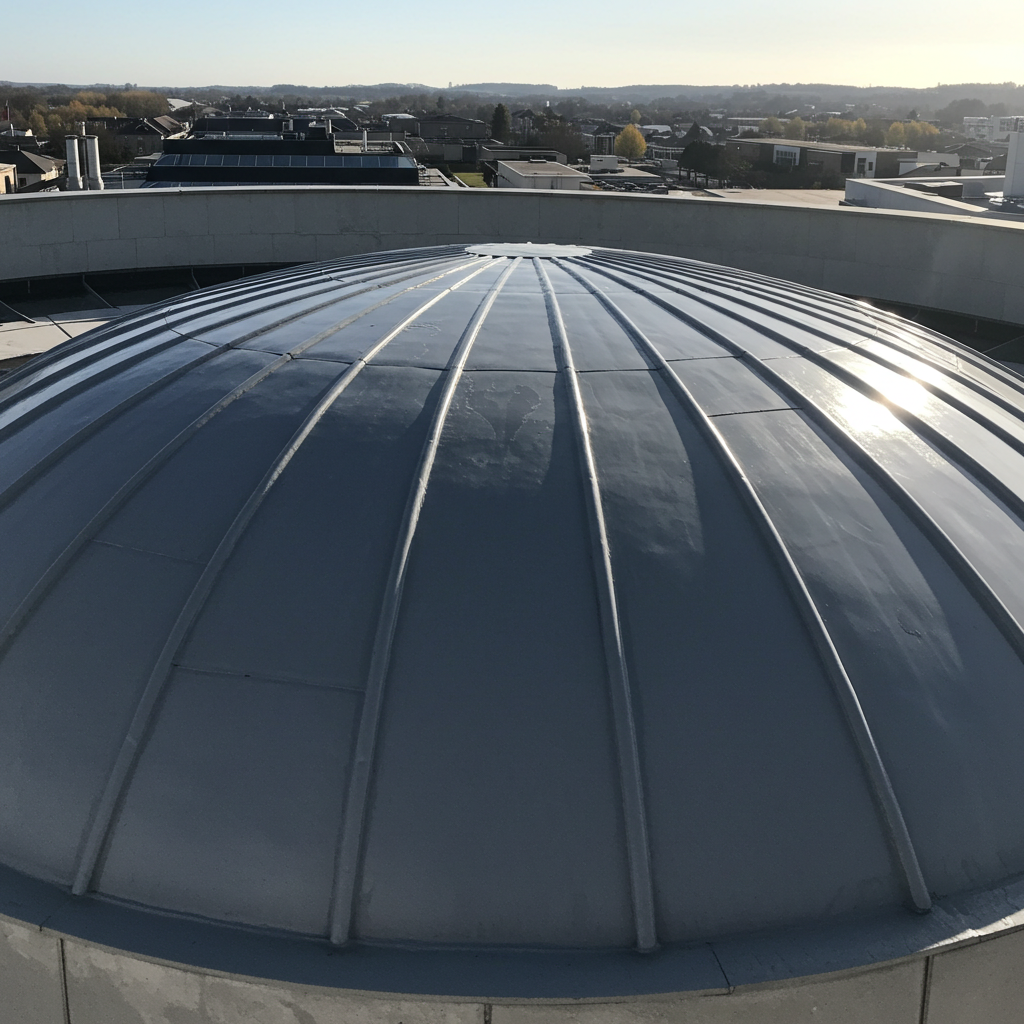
(580, 600)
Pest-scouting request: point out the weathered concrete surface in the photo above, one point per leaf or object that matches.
(105, 987)
(30, 975)
(19, 340)
(961, 264)
(889, 995)
(979, 984)
(982, 983)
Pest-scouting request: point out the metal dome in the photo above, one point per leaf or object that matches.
(480, 608)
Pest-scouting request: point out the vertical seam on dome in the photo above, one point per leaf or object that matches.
(124, 765)
(630, 772)
(871, 758)
(351, 835)
(53, 572)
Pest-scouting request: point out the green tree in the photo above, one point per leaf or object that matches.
(630, 143)
(635, 116)
(795, 129)
(501, 123)
(565, 138)
(770, 126)
(955, 113)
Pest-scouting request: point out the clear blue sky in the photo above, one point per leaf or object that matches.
(315, 42)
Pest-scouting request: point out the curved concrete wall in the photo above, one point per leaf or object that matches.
(49, 978)
(958, 264)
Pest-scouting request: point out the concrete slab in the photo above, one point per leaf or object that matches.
(30, 975)
(891, 995)
(979, 984)
(105, 987)
(30, 340)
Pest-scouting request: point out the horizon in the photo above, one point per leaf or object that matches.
(495, 87)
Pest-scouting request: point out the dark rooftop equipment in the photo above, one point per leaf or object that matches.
(239, 160)
(495, 613)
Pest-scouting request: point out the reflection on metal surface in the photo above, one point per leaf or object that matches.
(874, 766)
(515, 609)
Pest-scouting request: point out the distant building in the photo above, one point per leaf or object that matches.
(32, 168)
(446, 126)
(546, 174)
(522, 121)
(139, 135)
(262, 123)
(8, 177)
(310, 158)
(12, 138)
(829, 158)
(993, 129)
(738, 125)
(600, 137)
(490, 150)
(976, 156)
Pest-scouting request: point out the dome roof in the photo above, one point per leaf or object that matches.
(512, 598)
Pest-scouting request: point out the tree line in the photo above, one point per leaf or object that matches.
(54, 113)
(913, 134)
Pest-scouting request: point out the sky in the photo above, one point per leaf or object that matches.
(323, 43)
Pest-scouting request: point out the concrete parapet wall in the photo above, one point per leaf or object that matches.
(961, 264)
(49, 978)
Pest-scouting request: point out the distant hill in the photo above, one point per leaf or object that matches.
(735, 99)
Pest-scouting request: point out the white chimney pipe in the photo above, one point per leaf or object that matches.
(92, 162)
(1013, 183)
(365, 147)
(74, 168)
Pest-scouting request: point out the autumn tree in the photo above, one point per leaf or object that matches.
(896, 135)
(912, 134)
(920, 134)
(795, 129)
(836, 128)
(770, 126)
(630, 143)
(501, 123)
(635, 116)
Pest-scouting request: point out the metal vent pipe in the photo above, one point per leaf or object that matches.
(74, 168)
(92, 162)
(1013, 184)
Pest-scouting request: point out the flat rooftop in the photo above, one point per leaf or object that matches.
(547, 168)
(774, 196)
(832, 147)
